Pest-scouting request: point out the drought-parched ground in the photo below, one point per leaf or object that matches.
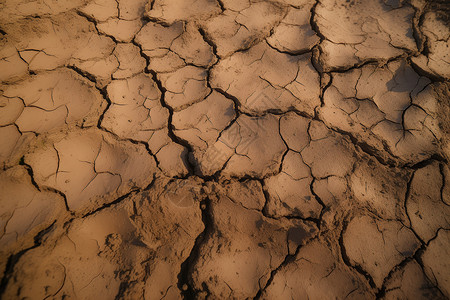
(277, 149)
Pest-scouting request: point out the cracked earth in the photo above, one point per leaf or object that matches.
(216, 149)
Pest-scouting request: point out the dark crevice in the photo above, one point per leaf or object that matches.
(315, 58)
(133, 141)
(221, 5)
(87, 17)
(313, 24)
(216, 175)
(185, 283)
(209, 41)
(280, 168)
(237, 104)
(422, 41)
(405, 205)
(382, 291)
(316, 50)
(151, 4)
(266, 214)
(443, 183)
(188, 158)
(319, 200)
(293, 53)
(417, 21)
(428, 161)
(13, 259)
(346, 259)
(236, 107)
(108, 104)
(187, 155)
(102, 92)
(123, 288)
(157, 21)
(323, 88)
(30, 172)
(115, 202)
(84, 74)
(61, 194)
(265, 209)
(418, 258)
(287, 260)
(316, 221)
(425, 47)
(276, 112)
(95, 23)
(432, 76)
(361, 64)
(369, 150)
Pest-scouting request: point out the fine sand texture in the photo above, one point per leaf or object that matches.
(224, 149)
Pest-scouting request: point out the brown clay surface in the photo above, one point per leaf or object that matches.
(217, 149)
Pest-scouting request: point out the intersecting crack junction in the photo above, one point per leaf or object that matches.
(224, 149)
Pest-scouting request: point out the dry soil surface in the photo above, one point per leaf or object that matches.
(262, 149)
